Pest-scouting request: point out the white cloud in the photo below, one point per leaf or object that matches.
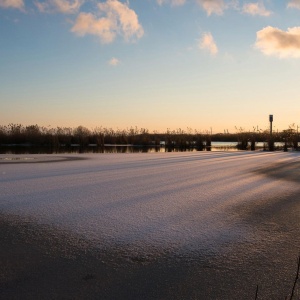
(213, 6)
(294, 4)
(62, 6)
(87, 23)
(256, 8)
(114, 61)
(276, 42)
(119, 19)
(207, 43)
(67, 6)
(18, 4)
(172, 2)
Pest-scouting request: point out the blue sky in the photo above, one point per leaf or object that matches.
(154, 64)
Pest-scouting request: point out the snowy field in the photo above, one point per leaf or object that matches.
(230, 220)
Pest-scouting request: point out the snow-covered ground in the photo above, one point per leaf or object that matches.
(157, 203)
(148, 200)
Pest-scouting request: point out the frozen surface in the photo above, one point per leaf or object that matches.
(160, 200)
(185, 204)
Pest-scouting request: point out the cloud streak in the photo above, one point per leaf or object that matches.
(212, 6)
(275, 42)
(256, 8)
(17, 4)
(172, 2)
(207, 43)
(118, 19)
(61, 6)
(294, 4)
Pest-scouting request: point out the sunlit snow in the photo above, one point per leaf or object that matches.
(174, 201)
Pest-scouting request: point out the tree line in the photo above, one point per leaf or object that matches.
(35, 135)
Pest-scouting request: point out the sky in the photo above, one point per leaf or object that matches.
(208, 65)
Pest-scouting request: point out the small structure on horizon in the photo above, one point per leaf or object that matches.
(271, 143)
(271, 122)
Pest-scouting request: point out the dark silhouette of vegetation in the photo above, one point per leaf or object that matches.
(242, 139)
(183, 140)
